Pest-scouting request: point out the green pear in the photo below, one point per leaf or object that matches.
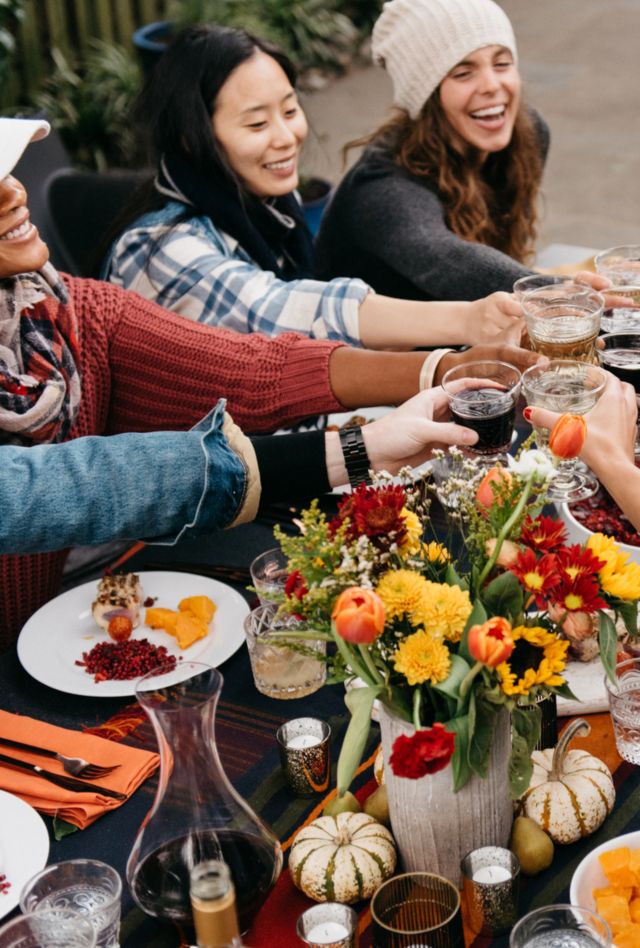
(347, 803)
(532, 846)
(377, 805)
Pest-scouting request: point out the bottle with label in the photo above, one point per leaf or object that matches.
(213, 903)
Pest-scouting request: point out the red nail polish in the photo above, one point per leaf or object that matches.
(527, 412)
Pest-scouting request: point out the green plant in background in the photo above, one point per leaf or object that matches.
(11, 13)
(90, 106)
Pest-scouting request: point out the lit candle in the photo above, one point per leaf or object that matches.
(302, 741)
(327, 933)
(491, 874)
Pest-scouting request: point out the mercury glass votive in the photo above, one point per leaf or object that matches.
(304, 745)
(328, 925)
(491, 887)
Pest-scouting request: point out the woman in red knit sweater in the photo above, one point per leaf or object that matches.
(116, 363)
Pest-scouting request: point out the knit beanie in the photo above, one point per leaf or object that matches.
(419, 41)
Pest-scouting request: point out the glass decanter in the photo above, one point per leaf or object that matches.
(196, 814)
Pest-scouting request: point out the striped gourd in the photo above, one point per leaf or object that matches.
(571, 792)
(342, 858)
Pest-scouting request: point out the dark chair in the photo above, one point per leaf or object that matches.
(81, 208)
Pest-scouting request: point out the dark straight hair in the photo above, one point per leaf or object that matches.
(179, 97)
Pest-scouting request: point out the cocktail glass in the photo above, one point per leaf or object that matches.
(563, 386)
(563, 926)
(563, 324)
(483, 396)
(551, 284)
(620, 355)
(620, 264)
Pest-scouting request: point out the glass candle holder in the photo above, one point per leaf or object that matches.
(283, 667)
(415, 909)
(328, 925)
(561, 925)
(491, 882)
(304, 745)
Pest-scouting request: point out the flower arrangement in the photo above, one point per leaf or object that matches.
(447, 645)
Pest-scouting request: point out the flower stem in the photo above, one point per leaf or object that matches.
(312, 636)
(506, 529)
(466, 683)
(371, 665)
(417, 701)
(350, 658)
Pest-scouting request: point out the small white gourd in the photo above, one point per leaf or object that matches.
(571, 792)
(342, 858)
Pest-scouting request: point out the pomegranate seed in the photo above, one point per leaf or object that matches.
(121, 661)
(5, 885)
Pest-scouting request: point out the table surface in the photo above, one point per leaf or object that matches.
(245, 730)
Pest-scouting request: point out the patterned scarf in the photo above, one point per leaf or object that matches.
(39, 376)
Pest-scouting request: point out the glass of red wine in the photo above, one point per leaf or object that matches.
(483, 396)
(620, 355)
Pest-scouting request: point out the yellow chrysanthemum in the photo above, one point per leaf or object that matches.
(413, 540)
(403, 593)
(445, 610)
(435, 552)
(422, 657)
(552, 662)
(618, 577)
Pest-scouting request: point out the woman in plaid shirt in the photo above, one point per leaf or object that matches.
(219, 235)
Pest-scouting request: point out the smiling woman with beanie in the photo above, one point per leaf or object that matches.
(442, 203)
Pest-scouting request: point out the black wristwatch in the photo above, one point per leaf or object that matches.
(355, 455)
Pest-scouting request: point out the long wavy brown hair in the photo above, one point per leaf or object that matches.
(490, 202)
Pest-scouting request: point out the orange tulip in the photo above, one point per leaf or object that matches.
(485, 496)
(491, 643)
(568, 436)
(358, 615)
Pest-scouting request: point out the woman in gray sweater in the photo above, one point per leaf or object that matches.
(442, 203)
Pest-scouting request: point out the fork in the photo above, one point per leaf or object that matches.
(76, 766)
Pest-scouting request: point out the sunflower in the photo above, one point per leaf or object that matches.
(445, 610)
(403, 593)
(538, 658)
(422, 657)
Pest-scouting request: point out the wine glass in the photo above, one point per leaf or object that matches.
(620, 355)
(620, 264)
(483, 396)
(565, 385)
(563, 322)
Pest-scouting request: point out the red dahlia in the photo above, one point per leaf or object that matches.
(425, 752)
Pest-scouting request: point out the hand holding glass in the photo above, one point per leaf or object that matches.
(483, 397)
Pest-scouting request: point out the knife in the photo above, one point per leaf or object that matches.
(69, 783)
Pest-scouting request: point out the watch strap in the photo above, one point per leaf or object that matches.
(355, 455)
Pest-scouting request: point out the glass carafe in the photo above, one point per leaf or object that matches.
(196, 814)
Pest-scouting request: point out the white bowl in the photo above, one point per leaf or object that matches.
(579, 534)
(589, 874)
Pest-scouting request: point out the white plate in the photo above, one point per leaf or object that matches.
(589, 874)
(55, 636)
(24, 846)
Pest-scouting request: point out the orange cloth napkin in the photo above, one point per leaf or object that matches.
(81, 809)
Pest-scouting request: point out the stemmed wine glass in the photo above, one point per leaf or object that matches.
(563, 322)
(551, 284)
(620, 355)
(622, 266)
(483, 396)
(565, 385)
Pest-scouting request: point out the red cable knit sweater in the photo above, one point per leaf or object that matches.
(144, 369)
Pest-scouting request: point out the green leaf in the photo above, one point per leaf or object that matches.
(359, 702)
(450, 686)
(460, 760)
(628, 611)
(452, 578)
(525, 734)
(608, 641)
(477, 617)
(61, 828)
(482, 722)
(503, 596)
(565, 692)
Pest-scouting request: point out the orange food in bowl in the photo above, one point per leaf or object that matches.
(619, 902)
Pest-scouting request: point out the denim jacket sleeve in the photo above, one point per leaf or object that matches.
(158, 486)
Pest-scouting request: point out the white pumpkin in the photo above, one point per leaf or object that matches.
(571, 793)
(342, 858)
(378, 767)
